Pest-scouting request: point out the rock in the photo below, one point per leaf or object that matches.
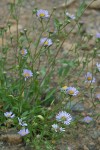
(11, 138)
(95, 4)
(76, 107)
(85, 147)
(91, 146)
(64, 5)
(95, 134)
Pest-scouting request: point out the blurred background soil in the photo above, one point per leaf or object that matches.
(83, 139)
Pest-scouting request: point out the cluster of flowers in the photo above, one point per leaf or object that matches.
(71, 91)
(64, 118)
(23, 131)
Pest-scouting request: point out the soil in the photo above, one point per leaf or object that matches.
(85, 138)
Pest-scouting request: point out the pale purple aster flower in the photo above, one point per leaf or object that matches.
(89, 78)
(23, 132)
(98, 35)
(64, 117)
(46, 42)
(70, 16)
(9, 114)
(27, 73)
(61, 129)
(42, 14)
(98, 66)
(72, 91)
(23, 52)
(55, 127)
(87, 119)
(23, 124)
(98, 96)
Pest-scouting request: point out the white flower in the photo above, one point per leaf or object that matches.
(46, 42)
(42, 13)
(27, 73)
(23, 52)
(64, 117)
(72, 91)
(70, 16)
(62, 129)
(55, 127)
(23, 132)
(23, 124)
(89, 78)
(98, 66)
(9, 114)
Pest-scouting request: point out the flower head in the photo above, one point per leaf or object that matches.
(70, 16)
(23, 52)
(98, 66)
(64, 117)
(56, 128)
(64, 88)
(27, 73)
(9, 114)
(72, 91)
(42, 14)
(98, 35)
(98, 96)
(61, 129)
(23, 124)
(87, 119)
(46, 42)
(23, 132)
(89, 78)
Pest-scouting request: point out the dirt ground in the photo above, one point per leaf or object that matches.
(84, 139)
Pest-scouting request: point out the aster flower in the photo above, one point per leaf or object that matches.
(98, 66)
(89, 78)
(23, 52)
(70, 16)
(23, 132)
(72, 91)
(98, 35)
(23, 124)
(98, 96)
(9, 115)
(64, 88)
(61, 129)
(46, 42)
(55, 127)
(42, 14)
(27, 73)
(87, 119)
(64, 117)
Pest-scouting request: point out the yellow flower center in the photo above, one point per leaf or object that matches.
(64, 87)
(26, 74)
(63, 118)
(42, 15)
(22, 52)
(8, 115)
(46, 43)
(89, 78)
(71, 92)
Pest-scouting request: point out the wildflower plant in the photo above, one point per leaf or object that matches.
(31, 91)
